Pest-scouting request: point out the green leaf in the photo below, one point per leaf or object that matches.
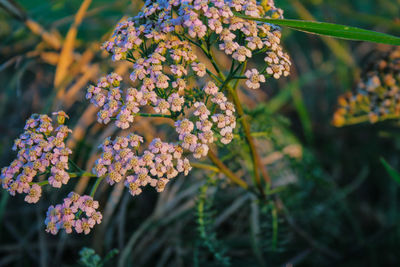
(330, 29)
(395, 175)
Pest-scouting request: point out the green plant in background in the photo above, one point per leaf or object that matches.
(89, 258)
(205, 214)
(376, 97)
(391, 171)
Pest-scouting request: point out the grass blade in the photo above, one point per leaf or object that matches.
(330, 29)
(395, 175)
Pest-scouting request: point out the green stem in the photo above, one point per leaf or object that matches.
(225, 170)
(95, 186)
(71, 175)
(257, 165)
(250, 141)
(40, 183)
(254, 134)
(365, 118)
(204, 167)
(151, 115)
(154, 115)
(214, 76)
(81, 174)
(274, 214)
(75, 165)
(214, 62)
(276, 190)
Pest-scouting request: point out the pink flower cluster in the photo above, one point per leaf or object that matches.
(195, 136)
(40, 149)
(155, 166)
(155, 88)
(76, 212)
(159, 42)
(226, 120)
(237, 37)
(106, 95)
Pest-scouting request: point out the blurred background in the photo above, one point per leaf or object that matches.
(337, 204)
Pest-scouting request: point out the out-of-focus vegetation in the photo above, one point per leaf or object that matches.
(334, 201)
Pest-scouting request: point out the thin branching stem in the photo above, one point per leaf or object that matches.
(154, 115)
(203, 166)
(81, 174)
(225, 170)
(71, 175)
(95, 186)
(257, 164)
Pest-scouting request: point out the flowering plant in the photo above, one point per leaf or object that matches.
(177, 75)
(171, 80)
(376, 97)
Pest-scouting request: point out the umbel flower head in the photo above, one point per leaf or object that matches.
(164, 32)
(76, 212)
(40, 150)
(169, 80)
(160, 42)
(377, 95)
(156, 166)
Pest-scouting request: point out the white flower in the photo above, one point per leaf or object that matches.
(176, 102)
(210, 88)
(241, 54)
(254, 79)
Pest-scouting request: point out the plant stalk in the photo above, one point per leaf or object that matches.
(225, 170)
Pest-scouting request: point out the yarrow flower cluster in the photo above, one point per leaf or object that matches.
(168, 80)
(166, 23)
(106, 95)
(377, 95)
(40, 149)
(155, 166)
(163, 161)
(160, 42)
(76, 212)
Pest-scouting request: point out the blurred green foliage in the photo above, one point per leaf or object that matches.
(89, 258)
